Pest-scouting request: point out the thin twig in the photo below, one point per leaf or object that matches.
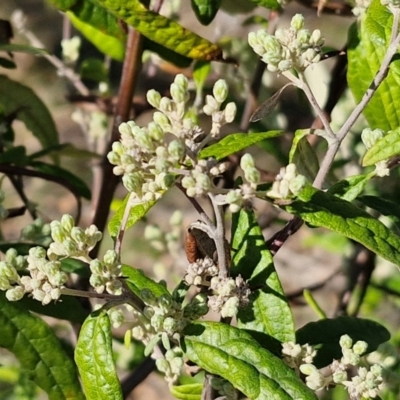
(124, 221)
(18, 19)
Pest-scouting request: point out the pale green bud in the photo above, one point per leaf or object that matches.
(164, 180)
(181, 81)
(191, 192)
(230, 112)
(220, 91)
(165, 302)
(4, 283)
(252, 175)
(247, 161)
(154, 98)
(70, 246)
(144, 140)
(252, 39)
(97, 282)
(133, 182)
(114, 287)
(345, 342)
(234, 196)
(370, 137)
(297, 22)
(16, 293)
(297, 184)
(67, 222)
(203, 181)
(116, 317)
(162, 365)
(166, 105)
(169, 324)
(78, 235)
(211, 105)
(93, 235)
(162, 120)
(11, 255)
(124, 129)
(360, 347)
(113, 158)
(285, 65)
(118, 148)
(339, 376)
(57, 232)
(178, 94)
(111, 257)
(230, 308)
(37, 252)
(161, 152)
(96, 267)
(316, 38)
(176, 149)
(155, 131)
(8, 271)
(188, 182)
(303, 38)
(58, 279)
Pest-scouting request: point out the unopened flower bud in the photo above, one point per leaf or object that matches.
(230, 112)
(247, 161)
(57, 232)
(297, 22)
(162, 120)
(220, 91)
(252, 175)
(111, 257)
(133, 182)
(78, 235)
(154, 98)
(16, 293)
(182, 81)
(345, 342)
(211, 105)
(176, 149)
(166, 105)
(155, 131)
(178, 94)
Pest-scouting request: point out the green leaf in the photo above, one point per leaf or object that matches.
(366, 51)
(383, 149)
(235, 142)
(201, 70)
(72, 266)
(6, 63)
(31, 110)
(232, 354)
(205, 10)
(324, 210)
(270, 4)
(39, 351)
(77, 184)
(326, 334)
(69, 308)
(65, 149)
(268, 311)
(163, 30)
(136, 213)
(94, 69)
(303, 155)
(94, 358)
(350, 188)
(137, 281)
(15, 155)
(106, 43)
(23, 48)
(386, 207)
(187, 392)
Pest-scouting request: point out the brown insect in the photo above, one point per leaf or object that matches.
(199, 245)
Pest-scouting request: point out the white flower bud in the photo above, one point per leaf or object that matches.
(155, 131)
(345, 342)
(57, 232)
(16, 293)
(178, 94)
(111, 257)
(370, 137)
(230, 112)
(182, 81)
(297, 22)
(220, 91)
(166, 105)
(247, 161)
(78, 235)
(203, 182)
(211, 105)
(133, 182)
(162, 120)
(176, 149)
(252, 175)
(188, 182)
(230, 308)
(154, 98)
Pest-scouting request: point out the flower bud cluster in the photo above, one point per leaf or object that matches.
(294, 47)
(149, 160)
(366, 384)
(199, 181)
(224, 388)
(72, 241)
(369, 137)
(229, 295)
(287, 183)
(37, 232)
(201, 271)
(106, 273)
(165, 314)
(46, 278)
(213, 108)
(171, 364)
